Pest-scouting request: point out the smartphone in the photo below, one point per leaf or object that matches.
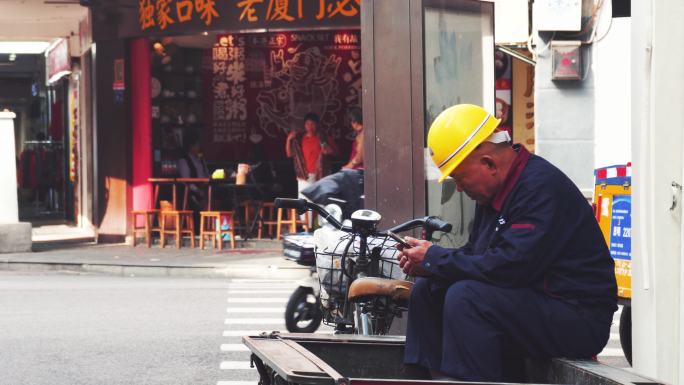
(399, 239)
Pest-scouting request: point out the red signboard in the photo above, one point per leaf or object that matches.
(58, 60)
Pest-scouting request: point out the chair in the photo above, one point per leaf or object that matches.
(177, 223)
(210, 225)
(268, 219)
(291, 219)
(248, 207)
(147, 228)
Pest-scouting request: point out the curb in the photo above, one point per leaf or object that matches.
(223, 272)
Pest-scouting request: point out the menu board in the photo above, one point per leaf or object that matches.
(259, 87)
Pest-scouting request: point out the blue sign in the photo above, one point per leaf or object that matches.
(621, 228)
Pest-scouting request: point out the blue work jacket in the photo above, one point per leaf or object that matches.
(539, 232)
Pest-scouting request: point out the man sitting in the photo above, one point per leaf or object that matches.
(535, 278)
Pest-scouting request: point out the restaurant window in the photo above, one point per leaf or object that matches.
(459, 68)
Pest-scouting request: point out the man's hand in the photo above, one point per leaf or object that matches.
(291, 135)
(411, 259)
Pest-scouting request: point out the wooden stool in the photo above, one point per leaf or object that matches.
(268, 219)
(210, 225)
(292, 220)
(147, 229)
(177, 223)
(247, 207)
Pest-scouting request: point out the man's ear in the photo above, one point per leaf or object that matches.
(488, 161)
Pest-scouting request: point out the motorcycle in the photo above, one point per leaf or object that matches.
(303, 310)
(362, 287)
(343, 193)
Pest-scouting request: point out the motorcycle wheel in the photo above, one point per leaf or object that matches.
(303, 313)
(626, 332)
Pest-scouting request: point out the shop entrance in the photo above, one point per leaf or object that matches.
(239, 95)
(45, 192)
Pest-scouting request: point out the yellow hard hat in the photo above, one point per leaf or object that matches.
(455, 134)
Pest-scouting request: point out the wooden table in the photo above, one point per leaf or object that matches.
(186, 182)
(157, 183)
(248, 229)
(235, 189)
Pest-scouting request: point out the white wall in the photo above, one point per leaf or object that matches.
(564, 121)
(657, 99)
(612, 91)
(585, 124)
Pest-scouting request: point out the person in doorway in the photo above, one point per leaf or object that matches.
(356, 155)
(535, 279)
(191, 165)
(307, 149)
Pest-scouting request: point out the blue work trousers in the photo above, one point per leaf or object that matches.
(475, 331)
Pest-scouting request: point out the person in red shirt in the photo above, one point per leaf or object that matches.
(307, 148)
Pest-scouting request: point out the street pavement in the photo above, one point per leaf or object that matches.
(253, 306)
(66, 328)
(84, 328)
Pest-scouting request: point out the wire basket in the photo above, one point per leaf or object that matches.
(336, 257)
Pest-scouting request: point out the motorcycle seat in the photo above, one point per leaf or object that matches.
(362, 288)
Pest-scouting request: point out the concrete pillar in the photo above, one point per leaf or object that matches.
(141, 116)
(14, 236)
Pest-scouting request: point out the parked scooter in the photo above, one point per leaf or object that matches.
(362, 287)
(342, 193)
(303, 311)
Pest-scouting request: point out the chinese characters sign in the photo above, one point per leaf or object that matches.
(174, 15)
(261, 85)
(229, 107)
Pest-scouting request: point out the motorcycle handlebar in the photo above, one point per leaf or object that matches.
(288, 203)
(436, 224)
(302, 205)
(429, 224)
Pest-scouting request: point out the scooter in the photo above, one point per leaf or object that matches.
(303, 312)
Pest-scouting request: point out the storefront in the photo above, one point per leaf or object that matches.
(244, 73)
(46, 134)
(240, 75)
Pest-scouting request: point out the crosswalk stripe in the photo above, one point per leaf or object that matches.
(234, 348)
(242, 333)
(255, 310)
(286, 291)
(611, 352)
(237, 383)
(263, 285)
(257, 280)
(257, 300)
(255, 321)
(236, 365)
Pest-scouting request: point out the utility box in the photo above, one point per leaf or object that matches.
(557, 15)
(567, 60)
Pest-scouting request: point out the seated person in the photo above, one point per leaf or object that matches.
(535, 279)
(191, 165)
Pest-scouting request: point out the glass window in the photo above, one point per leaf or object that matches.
(459, 68)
